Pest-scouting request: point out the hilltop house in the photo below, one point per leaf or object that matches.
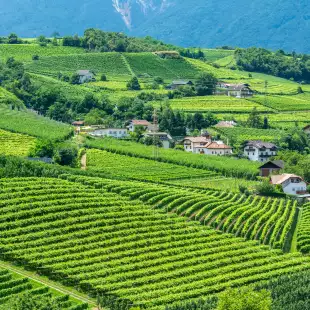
(164, 137)
(291, 184)
(307, 129)
(110, 132)
(260, 151)
(179, 83)
(85, 76)
(271, 167)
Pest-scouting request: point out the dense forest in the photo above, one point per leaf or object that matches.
(293, 66)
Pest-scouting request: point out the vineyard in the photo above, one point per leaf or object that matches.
(8, 98)
(303, 233)
(241, 134)
(224, 165)
(213, 55)
(285, 103)
(86, 236)
(24, 52)
(12, 285)
(107, 163)
(221, 104)
(33, 124)
(111, 64)
(152, 65)
(15, 144)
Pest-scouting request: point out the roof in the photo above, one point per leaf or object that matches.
(216, 145)
(227, 124)
(181, 82)
(237, 86)
(159, 134)
(279, 179)
(277, 163)
(140, 122)
(260, 144)
(197, 139)
(84, 72)
(78, 123)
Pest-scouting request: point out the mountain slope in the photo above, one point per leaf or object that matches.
(271, 24)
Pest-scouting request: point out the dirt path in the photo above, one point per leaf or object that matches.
(84, 162)
(48, 283)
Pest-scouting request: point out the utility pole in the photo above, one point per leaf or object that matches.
(154, 131)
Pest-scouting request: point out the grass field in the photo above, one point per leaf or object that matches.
(24, 52)
(213, 55)
(8, 98)
(215, 104)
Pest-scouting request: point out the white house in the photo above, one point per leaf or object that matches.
(110, 132)
(218, 148)
(259, 150)
(192, 144)
(164, 137)
(292, 184)
(85, 76)
(239, 91)
(141, 123)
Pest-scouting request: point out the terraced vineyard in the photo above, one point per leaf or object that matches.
(213, 55)
(122, 166)
(303, 232)
(13, 285)
(221, 104)
(286, 103)
(224, 165)
(241, 134)
(267, 220)
(33, 124)
(111, 64)
(85, 236)
(150, 64)
(24, 52)
(15, 144)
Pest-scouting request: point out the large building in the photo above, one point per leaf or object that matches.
(110, 132)
(291, 184)
(260, 151)
(146, 125)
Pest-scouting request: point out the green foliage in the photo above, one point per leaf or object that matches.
(133, 84)
(75, 79)
(244, 299)
(66, 154)
(265, 188)
(255, 120)
(42, 148)
(205, 84)
(103, 77)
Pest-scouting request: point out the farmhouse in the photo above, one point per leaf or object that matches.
(110, 132)
(139, 123)
(216, 148)
(85, 76)
(226, 124)
(164, 137)
(307, 129)
(179, 83)
(291, 184)
(78, 123)
(260, 151)
(239, 91)
(193, 144)
(271, 167)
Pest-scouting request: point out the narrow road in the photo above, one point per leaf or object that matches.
(84, 162)
(48, 283)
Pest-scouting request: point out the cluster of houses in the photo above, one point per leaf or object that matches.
(222, 88)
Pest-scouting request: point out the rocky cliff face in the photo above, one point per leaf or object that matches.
(128, 8)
